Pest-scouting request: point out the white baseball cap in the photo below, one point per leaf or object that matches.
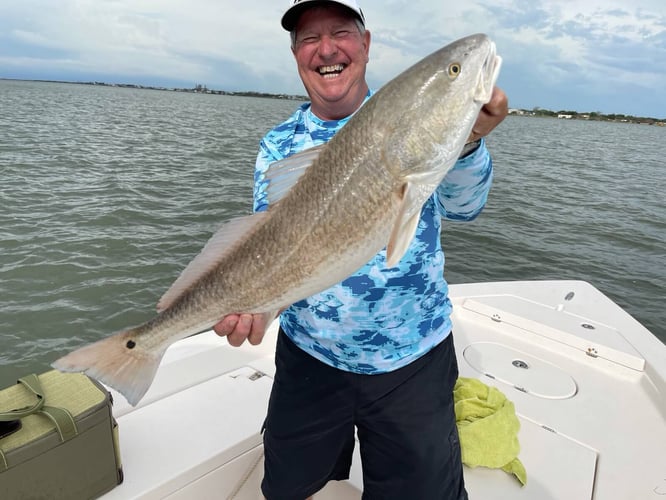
(290, 17)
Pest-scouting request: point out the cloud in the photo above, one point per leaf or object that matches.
(605, 53)
(584, 52)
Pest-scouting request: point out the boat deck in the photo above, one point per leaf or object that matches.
(587, 381)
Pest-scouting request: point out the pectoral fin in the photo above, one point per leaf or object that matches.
(405, 225)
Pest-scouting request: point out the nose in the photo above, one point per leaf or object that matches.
(327, 47)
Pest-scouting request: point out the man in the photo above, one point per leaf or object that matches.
(375, 352)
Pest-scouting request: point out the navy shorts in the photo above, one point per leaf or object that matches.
(405, 420)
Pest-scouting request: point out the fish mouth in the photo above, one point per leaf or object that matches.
(488, 75)
(331, 70)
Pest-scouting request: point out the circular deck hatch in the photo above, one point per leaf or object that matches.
(522, 371)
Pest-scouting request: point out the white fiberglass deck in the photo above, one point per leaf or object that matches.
(587, 380)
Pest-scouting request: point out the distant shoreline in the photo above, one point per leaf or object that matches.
(198, 89)
(591, 116)
(203, 89)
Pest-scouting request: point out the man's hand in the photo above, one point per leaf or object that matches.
(491, 115)
(238, 327)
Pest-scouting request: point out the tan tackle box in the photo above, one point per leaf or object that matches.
(58, 438)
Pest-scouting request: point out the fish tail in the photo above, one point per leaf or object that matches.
(118, 361)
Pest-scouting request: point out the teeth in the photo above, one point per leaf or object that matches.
(334, 68)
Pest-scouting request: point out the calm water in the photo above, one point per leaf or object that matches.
(107, 193)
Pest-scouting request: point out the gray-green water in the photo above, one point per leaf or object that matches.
(107, 193)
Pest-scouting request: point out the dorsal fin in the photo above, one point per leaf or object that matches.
(283, 174)
(210, 256)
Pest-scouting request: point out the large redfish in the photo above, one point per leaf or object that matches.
(332, 208)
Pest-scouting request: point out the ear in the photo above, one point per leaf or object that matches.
(366, 44)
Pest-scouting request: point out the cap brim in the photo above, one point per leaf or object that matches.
(290, 18)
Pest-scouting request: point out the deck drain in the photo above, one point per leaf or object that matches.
(519, 363)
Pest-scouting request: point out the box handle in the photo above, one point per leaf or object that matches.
(61, 418)
(31, 382)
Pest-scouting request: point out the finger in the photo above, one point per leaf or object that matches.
(498, 104)
(490, 115)
(242, 330)
(226, 325)
(258, 329)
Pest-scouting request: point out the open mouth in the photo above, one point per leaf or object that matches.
(495, 63)
(331, 71)
(488, 75)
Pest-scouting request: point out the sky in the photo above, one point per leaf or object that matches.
(606, 56)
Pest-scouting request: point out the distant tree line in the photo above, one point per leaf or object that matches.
(593, 115)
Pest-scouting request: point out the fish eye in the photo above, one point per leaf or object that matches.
(454, 69)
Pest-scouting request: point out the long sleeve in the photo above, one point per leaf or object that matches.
(464, 191)
(264, 159)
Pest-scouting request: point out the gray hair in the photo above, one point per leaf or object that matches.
(359, 25)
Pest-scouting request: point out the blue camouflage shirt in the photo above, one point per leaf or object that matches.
(379, 319)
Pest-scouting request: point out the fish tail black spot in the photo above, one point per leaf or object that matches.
(130, 344)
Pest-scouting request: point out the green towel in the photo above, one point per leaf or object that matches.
(488, 427)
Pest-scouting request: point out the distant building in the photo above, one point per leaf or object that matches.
(565, 117)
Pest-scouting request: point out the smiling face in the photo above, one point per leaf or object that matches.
(331, 55)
